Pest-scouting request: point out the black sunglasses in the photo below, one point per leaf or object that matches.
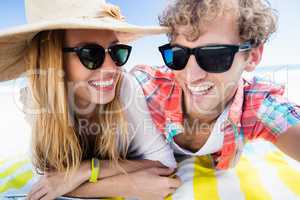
(92, 55)
(212, 58)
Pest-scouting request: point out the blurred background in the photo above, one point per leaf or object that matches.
(280, 62)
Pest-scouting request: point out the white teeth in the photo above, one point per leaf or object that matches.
(200, 89)
(102, 83)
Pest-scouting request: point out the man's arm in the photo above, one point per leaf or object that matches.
(289, 142)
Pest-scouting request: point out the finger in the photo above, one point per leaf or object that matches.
(175, 182)
(36, 187)
(39, 194)
(170, 192)
(47, 197)
(164, 171)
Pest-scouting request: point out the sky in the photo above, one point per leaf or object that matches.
(282, 49)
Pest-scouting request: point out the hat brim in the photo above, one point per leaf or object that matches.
(13, 41)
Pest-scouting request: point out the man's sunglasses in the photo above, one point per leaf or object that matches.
(212, 58)
(92, 56)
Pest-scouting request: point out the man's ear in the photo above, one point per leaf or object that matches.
(254, 58)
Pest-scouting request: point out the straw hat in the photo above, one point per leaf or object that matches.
(62, 14)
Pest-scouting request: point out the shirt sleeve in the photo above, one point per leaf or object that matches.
(154, 98)
(275, 116)
(163, 98)
(146, 140)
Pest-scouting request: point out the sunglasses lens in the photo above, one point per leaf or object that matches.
(120, 54)
(215, 60)
(168, 56)
(92, 56)
(174, 57)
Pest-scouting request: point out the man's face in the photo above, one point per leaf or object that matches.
(205, 94)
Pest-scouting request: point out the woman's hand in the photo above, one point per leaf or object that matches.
(152, 183)
(55, 184)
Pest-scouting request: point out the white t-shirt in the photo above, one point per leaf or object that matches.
(145, 140)
(214, 142)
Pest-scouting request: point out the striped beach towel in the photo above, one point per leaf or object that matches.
(263, 173)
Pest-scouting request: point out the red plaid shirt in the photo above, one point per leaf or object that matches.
(258, 110)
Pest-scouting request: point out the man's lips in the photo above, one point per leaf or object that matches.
(200, 89)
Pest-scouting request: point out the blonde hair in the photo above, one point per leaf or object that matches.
(56, 144)
(256, 19)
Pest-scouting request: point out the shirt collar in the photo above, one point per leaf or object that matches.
(236, 107)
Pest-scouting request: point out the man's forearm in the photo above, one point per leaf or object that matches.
(289, 142)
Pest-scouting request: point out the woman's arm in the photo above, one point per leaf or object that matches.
(150, 183)
(55, 184)
(108, 170)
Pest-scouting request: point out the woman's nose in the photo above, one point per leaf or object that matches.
(108, 62)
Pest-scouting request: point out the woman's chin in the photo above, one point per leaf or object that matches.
(103, 99)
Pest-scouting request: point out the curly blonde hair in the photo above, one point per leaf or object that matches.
(257, 20)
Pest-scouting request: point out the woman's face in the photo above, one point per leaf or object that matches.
(90, 86)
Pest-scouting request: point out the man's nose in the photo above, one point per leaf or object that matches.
(193, 71)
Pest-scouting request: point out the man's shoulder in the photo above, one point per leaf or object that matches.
(265, 103)
(154, 80)
(147, 72)
(257, 91)
(263, 87)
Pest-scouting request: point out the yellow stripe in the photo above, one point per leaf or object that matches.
(288, 175)
(9, 171)
(250, 182)
(168, 197)
(205, 181)
(17, 182)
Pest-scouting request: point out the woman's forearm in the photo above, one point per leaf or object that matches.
(108, 170)
(116, 186)
(113, 182)
(152, 183)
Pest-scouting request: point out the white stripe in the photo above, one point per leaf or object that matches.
(186, 174)
(270, 179)
(229, 185)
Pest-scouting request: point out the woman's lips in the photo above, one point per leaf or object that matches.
(103, 85)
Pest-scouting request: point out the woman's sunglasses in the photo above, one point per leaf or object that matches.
(92, 56)
(212, 59)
